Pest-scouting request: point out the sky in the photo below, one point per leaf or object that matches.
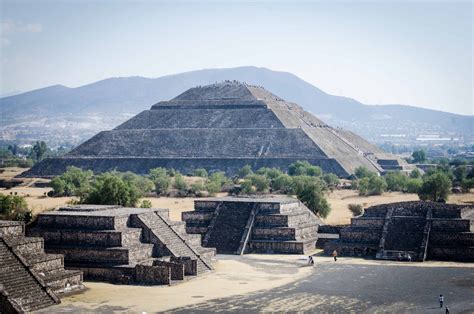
(377, 52)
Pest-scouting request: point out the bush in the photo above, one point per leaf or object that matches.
(110, 189)
(356, 209)
(73, 182)
(302, 168)
(144, 185)
(415, 173)
(200, 172)
(414, 185)
(160, 179)
(246, 187)
(435, 187)
(283, 183)
(270, 173)
(180, 183)
(260, 182)
(311, 193)
(145, 204)
(197, 188)
(11, 206)
(213, 187)
(363, 172)
(245, 171)
(467, 185)
(331, 179)
(373, 185)
(419, 156)
(396, 181)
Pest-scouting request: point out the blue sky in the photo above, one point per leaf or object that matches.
(379, 52)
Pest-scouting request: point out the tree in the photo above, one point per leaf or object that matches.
(372, 185)
(396, 181)
(15, 207)
(302, 168)
(311, 193)
(270, 173)
(197, 187)
(415, 173)
(145, 204)
(39, 150)
(363, 172)
(414, 185)
(260, 182)
(200, 172)
(73, 182)
(282, 183)
(160, 179)
(331, 179)
(419, 156)
(245, 171)
(110, 189)
(180, 184)
(246, 187)
(435, 187)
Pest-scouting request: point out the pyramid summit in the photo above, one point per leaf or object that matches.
(222, 127)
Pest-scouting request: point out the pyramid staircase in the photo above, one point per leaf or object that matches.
(424, 230)
(236, 225)
(123, 245)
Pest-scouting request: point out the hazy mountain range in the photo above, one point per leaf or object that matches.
(62, 114)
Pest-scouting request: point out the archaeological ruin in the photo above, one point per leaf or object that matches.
(423, 230)
(222, 127)
(31, 279)
(234, 225)
(123, 245)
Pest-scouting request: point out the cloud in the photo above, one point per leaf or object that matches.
(9, 27)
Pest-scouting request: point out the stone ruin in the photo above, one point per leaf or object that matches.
(31, 279)
(424, 230)
(123, 245)
(222, 127)
(235, 225)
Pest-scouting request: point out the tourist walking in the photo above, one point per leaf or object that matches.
(334, 254)
(441, 300)
(310, 260)
(447, 310)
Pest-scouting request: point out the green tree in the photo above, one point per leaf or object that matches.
(363, 172)
(73, 182)
(302, 168)
(260, 182)
(283, 183)
(180, 183)
(200, 172)
(39, 150)
(245, 171)
(270, 173)
(160, 179)
(197, 188)
(419, 156)
(414, 185)
(415, 173)
(110, 189)
(331, 179)
(310, 191)
(145, 204)
(435, 187)
(246, 187)
(396, 181)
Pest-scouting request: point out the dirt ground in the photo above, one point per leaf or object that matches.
(338, 199)
(275, 283)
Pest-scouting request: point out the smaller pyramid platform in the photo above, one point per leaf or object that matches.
(424, 230)
(237, 225)
(123, 245)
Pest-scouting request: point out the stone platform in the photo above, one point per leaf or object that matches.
(31, 278)
(123, 245)
(235, 225)
(424, 230)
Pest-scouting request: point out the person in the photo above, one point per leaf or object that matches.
(399, 257)
(334, 254)
(310, 260)
(409, 257)
(447, 310)
(441, 301)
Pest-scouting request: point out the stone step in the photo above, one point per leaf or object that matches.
(360, 235)
(281, 247)
(97, 255)
(452, 253)
(26, 245)
(102, 238)
(82, 222)
(284, 233)
(42, 262)
(451, 238)
(11, 228)
(63, 281)
(283, 220)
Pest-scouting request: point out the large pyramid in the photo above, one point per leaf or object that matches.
(224, 127)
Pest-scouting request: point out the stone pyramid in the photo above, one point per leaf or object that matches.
(222, 127)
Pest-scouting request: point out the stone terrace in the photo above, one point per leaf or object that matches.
(123, 245)
(236, 225)
(425, 230)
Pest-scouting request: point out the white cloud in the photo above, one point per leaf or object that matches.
(9, 27)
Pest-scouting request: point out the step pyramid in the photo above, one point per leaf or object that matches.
(238, 225)
(222, 127)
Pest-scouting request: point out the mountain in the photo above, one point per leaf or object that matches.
(60, 114)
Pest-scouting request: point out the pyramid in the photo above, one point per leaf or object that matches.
(222, 127)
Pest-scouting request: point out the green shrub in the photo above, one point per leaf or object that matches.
(245, 171)
(73, 182)
(110, 189)
(213, 187)
(302, 168)
(200, 172)
(160, 179)
(145, 204)
(414, 185)
(180, 183)
(197, 187)
(260, 182)
(415, 173)
(311, 193)
(362, 172)
(270, 173)
(435, 187)
(246, 187)
(331, 179)
(356, 209)
(372, 185)
(396, 181)
(283, 183)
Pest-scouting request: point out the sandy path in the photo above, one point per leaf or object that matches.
(233, 275)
